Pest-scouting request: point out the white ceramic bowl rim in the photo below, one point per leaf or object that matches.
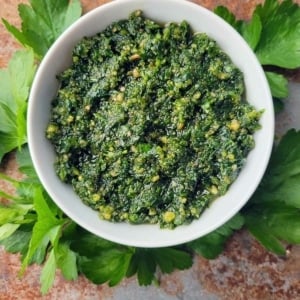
(45, 86)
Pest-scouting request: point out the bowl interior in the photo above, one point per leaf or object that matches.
(45, 87)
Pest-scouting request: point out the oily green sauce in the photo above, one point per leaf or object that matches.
(149, 124)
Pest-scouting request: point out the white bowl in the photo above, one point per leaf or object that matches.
(45, 86)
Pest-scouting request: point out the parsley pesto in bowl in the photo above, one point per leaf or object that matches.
(149, 124)
(159, 120)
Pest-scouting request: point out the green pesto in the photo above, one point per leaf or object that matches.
(149, 124)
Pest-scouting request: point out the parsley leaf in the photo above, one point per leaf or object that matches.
(278, 85)
(144, 262)
(212, 244)
(60, 256)
(109, 266)
(228, 16)
(15, 82)
(12, 215)
(144, 265)
(273, 213)
(101, 260)
(46, 229)
(89, 245)
(48, 273)
(18, 241)
(282, 173)
(171, 258)
(270, 225)
(66, 261)
(251, 31)
(279, 42)
(25, 165)
(7, 230)
(273, 33)
(43, 21)
(104, 261)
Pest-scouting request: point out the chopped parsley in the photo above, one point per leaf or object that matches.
(150, 124)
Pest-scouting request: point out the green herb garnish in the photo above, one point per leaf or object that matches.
(43, 21)
(15, 82)
(273, 34)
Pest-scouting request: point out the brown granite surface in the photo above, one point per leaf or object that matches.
(244, 271)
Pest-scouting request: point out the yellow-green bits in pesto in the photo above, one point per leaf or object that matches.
(149, 124)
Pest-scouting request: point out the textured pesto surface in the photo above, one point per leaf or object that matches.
(149, 124)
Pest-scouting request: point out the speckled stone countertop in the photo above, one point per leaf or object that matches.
(243, 271)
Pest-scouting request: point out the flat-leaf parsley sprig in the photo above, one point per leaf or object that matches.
(273, 34)
(273, 213)
(43, 21)
(15, 82)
